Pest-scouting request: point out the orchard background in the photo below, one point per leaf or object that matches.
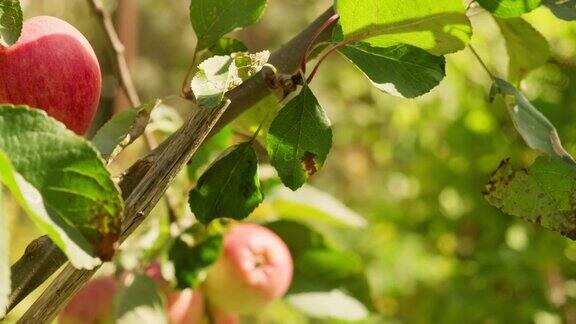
(410, 171)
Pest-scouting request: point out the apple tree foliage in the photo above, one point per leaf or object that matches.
(61, 181)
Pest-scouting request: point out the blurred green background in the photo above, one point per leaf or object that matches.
(436, 251)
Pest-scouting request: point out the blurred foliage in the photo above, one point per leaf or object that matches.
(435, 250)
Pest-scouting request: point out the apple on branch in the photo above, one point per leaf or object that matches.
(254, 269)
(52, 67)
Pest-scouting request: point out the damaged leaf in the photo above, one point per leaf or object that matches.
(533, 126)
(299, 139)
(544, 194)
(220, 74)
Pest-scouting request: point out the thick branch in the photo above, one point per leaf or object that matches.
(286, 59)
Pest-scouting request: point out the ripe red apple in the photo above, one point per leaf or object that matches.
(220, 317)
(54, 68)
(254, 269)
(92, 304)
(185, 306)
(182, 307)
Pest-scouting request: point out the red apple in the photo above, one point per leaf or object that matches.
(254, 269)
(54, 68)
(182, 307)
(185, 307)
(220, 317)
(92, 304)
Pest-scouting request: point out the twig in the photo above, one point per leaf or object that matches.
(186, 86)
(324, 57)
(286, 59)
(332, 20)
(492, 77)
(123, 74)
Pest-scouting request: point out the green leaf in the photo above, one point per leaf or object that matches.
(190, 262)
(66, 237)
(509, 8)
(563, 9)
(213, 19)
(318, 266)
(219, 74)
(227, 46)
(299, 139)
(4, 253)
(309, 204)
(123, 129)
(527, 48)
(440, 27)
(140, 302)
(214, 145)
(329, 305)
(534, 127)
(400, 70)
(544, 194)
(68, 172)
(10, 22)
(230, 188)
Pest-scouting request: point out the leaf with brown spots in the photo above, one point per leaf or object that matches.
(544, 194)
(75, 189)
(299, 139)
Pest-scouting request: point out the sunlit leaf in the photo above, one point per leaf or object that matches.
(527, 48)
(544, 194)
(230, 188)
(67, 171)
(400, 70)
(213, 19)
(250, 120)
(299, 139)
(10, 22)
(311, 204)
(329, 305)
(440, 27)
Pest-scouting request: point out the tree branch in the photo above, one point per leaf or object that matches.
(286, 59)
